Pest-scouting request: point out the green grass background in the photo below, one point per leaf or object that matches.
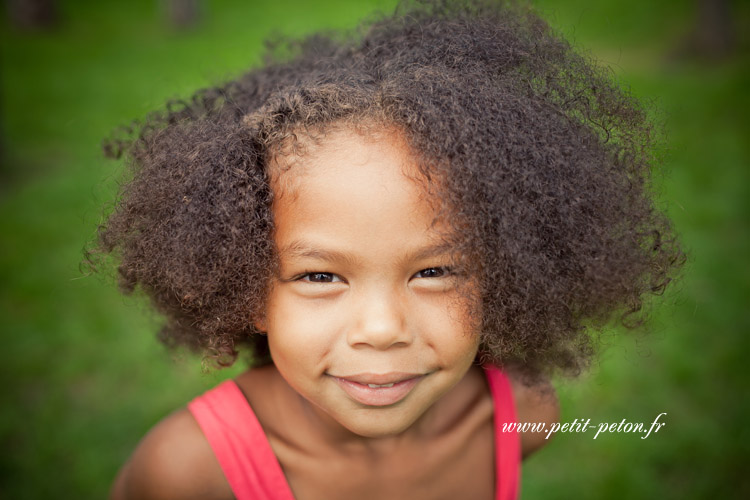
(84, 378)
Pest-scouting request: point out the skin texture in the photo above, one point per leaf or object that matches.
(362, 292)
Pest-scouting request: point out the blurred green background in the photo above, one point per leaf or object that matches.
(84, 377)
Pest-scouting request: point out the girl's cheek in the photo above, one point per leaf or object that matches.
(305, 324)
(455, 307)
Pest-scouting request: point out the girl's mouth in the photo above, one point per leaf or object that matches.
(378, 390)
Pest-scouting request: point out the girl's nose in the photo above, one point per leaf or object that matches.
(379, 321)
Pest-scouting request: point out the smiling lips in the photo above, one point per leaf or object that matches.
(378, 390)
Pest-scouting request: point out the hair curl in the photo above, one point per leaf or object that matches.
(544, 166)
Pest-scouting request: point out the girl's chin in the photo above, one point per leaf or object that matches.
(379, 429)
(376, 423)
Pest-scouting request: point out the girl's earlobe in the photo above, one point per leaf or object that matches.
(260, 325)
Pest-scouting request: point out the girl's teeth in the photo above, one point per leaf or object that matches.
(376, 386)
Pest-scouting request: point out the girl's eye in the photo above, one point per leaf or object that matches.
(320, 277)
(432, 272)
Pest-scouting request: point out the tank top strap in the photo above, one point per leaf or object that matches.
(507, 444)
(239, 443)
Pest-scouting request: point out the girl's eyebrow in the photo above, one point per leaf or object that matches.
(300, 249)
(435, 250)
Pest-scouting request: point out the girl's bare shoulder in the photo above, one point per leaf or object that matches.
(535, 403)
(173, 461)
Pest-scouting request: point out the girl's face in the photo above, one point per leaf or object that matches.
(366, 319)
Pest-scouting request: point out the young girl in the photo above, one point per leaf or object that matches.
(409, 229)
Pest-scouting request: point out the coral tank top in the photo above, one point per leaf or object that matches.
(245, 455)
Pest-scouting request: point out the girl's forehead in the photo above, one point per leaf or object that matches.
(295, 166)
(351, 180)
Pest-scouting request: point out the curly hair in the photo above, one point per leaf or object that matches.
(543, 162)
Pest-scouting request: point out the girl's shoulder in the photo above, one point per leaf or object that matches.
(536, 404)
(173, 461)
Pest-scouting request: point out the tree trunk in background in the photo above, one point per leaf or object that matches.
(33, 14)
(183, 14)
(712, 37)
